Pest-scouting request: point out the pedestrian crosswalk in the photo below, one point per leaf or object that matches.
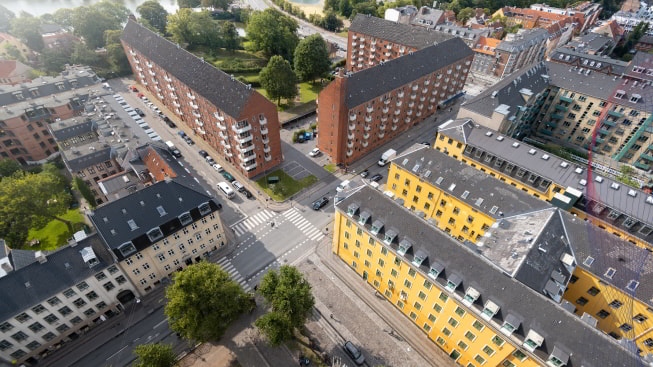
(254, 221)
(227, 266)
(295, 217)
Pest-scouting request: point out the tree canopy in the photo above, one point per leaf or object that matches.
(90, 22)
(194, 28)
(188, 3)
(218, 4)
(6, 16)
(311, 58)
(289, 296)
(465, 14)
(8, 167)
(203, 301)
(273, 33)
(31, 200)
(63, 17)
(28, 29)
(229, 36)
(155, 14)
(278, 79)
(155, 355)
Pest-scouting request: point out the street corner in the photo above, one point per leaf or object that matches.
(295, 170)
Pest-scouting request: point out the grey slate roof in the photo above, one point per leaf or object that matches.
(375, 81)
(593, 41)
(464, 178)
(403, 34)
(588, 61)
(120, 185)
(508, 93)
(23, 258)
(427, 17)
(63, 269)
(111, 219)
(560, 328)
(98, 156)
(644, 60)
(551, 169)
(72, 130)
(216, 86)
(524, 40)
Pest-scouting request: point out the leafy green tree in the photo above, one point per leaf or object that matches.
(273, 33)
(90, 22)
(331, 5)
(13, 53)
(55, 59)
(366, 7)
(8, 167)
(117, 59)
(155, 355)
(188, 3)
(290, 298)
(218, 4)
(331, 22)
(203, 301)
(31, 201)
(278, 79)
(194, 28)
(455, 6)
(85, 56)
(155, 14)
(63, 17)
(229, 36)
(465, 14)
(6, 16)
(179, 25)
(311, 58)
(345, 8)
(112, 36)
(28, 29)
(82, 187)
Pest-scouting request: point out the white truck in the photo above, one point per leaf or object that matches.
(387, 156)
(173, 150)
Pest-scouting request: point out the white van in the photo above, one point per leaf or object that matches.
(343, 185)
(228, 191)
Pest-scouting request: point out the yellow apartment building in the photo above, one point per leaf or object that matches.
(466, 304)
(624, 211)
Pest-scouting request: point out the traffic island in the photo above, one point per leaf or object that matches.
(280, 186)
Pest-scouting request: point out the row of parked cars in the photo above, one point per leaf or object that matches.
(223, 186)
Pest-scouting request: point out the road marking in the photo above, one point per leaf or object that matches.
(159, 324)
(114, 354)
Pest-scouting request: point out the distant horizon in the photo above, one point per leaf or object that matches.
(40, 7)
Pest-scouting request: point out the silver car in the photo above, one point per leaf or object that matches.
(354, 353)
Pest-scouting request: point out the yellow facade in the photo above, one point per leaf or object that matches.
(453, 216)
(455, 149)
(469, 340)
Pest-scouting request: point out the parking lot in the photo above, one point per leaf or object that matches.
(295, 170)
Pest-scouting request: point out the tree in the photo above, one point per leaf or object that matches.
(32, 200)
(273, 33)
(311, 58)
(278, 79)
(117, 59)
(155, 14)
(188, 3)
(626, 177)
(28, 29)
(345, 8)
(290, 298)
(179, 25)
(366, 7)
(218, 4)
(465, 14)
(331, 22)
(193, 28)
(54, 59)
(6, 16)
(155, 355)
(229, 36)
(85, 56)
(8, 167)
(63, 17)
(13, 53)
(203, 301)
(90, 22)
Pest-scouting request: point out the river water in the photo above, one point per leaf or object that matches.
(40, 7)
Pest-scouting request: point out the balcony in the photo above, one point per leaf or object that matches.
(350, 136)
(604, 132)
(266, 149)
(643, 166)
(566, 99)
(350, 144)
(400, 95)
(241, 128)
(199, 122)
(397, 112)
(556, 116)
(413, 96)
(368, 118)
(381, 135)
(245, 139)
(226, 144)
(382, 127)
(149, 64)
(349, 153)
(409, 112)
(407, 120)
(192, 97)
(194, 106)
(267, 157)
(418, 114)
(264, 130)
(171, 87)
(365, 144)
(414, 87)
(177, 104)
(223, 135)
(551, 124)
(352, 117)
(369, 109)
(411, 104)
(386, 102)
(393, 128)
(354, 44)
(368, 127)
(152, 72)
(167, 79)
(247, 158)
(609, 123)
(561, 108)
(615, 113)
(228, 153)
(262, 120)
(384, 119)
(174, 96)
(249, 167)
(265, 139)
(399, 103)
(648, 157)
(366, 136)
(179, 112)
(385, 109)
(546, 132)
(221, 126)
(157, 89)
(196, 114)
(373, 49)
(420, 106)
(159, 95)
(352, 127)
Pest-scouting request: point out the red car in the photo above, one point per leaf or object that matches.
(140, 95)
(133, 89)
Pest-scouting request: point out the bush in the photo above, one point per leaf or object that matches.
(237, 65)
(296, 133)
(83, 189)
(314, 126)
(339, 64)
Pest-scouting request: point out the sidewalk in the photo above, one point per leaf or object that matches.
(110, 329)
(400, 325)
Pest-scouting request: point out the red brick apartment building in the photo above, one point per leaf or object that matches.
(238, 122)
(357, 112)
(372, 40)
(27, 109)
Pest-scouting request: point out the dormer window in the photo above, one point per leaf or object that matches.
(558, 358)
(453, 282)
(19, 95)
(404, 246)
(185, 218)
(352, 209)
(510, 324)
(533, 341)
(489, 310)
(635, 98)
(204, 208)
(364, 217)
(419, 258)
(389, 237)
(376, 227)
(620, 94)
(471, 295)
(155, 234)
(435, 270)
(127, 249)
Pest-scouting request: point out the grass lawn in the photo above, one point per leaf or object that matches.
(344, 33)
(307, 92)
(286, 187)
(55, 233)
(331, 167)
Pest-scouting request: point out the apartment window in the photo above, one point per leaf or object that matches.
(478, 325)
(92, 295)
(479, 359)
(603, 314)
(593, 291)
(19, 336)
(640, 318)
(413, 316)
(444, 297)
(582, 301)
(615, 304)
(626, 327)
(488, 350)
(69, 293)
(446, 332)
(470, 336)
(51, 318)
(89, 312)
(384, 251)
(101, 305)
(76, 320)
(23, 317)
(4, 345)
(49, 336)
(648, 342)
(407, 284)
(102, 276)
(459, 311)
(498, 340)
(136, 271)
(79, 303)
(437, 307)
(440, 340)
(573, 279)
(462, 345)
(400, 304)
(453, 322)
(36, 327)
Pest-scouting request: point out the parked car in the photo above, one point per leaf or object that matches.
(133, 89)
(238, 186)
(247, 194)
(319, 203)
(210, 161)
(365, 173)
(181, 133)
(315, 152)
(171, 124)
(140, 95)
(227, 176)
(218, 167)
(300, 139)
(376, 178)
(139, 112)
(203, 153)
(188, 140)
(354, 353)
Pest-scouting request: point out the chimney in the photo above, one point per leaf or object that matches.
(40, 257)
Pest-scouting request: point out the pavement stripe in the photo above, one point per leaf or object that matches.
(238, 231)
(311, 231)
(264, 216)
(304, 224)
(271, 214)
(237, 278)
(256, 220)
(289, 211)
(317, 237)
(293, 215)
(223, 261)
(248, 224)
